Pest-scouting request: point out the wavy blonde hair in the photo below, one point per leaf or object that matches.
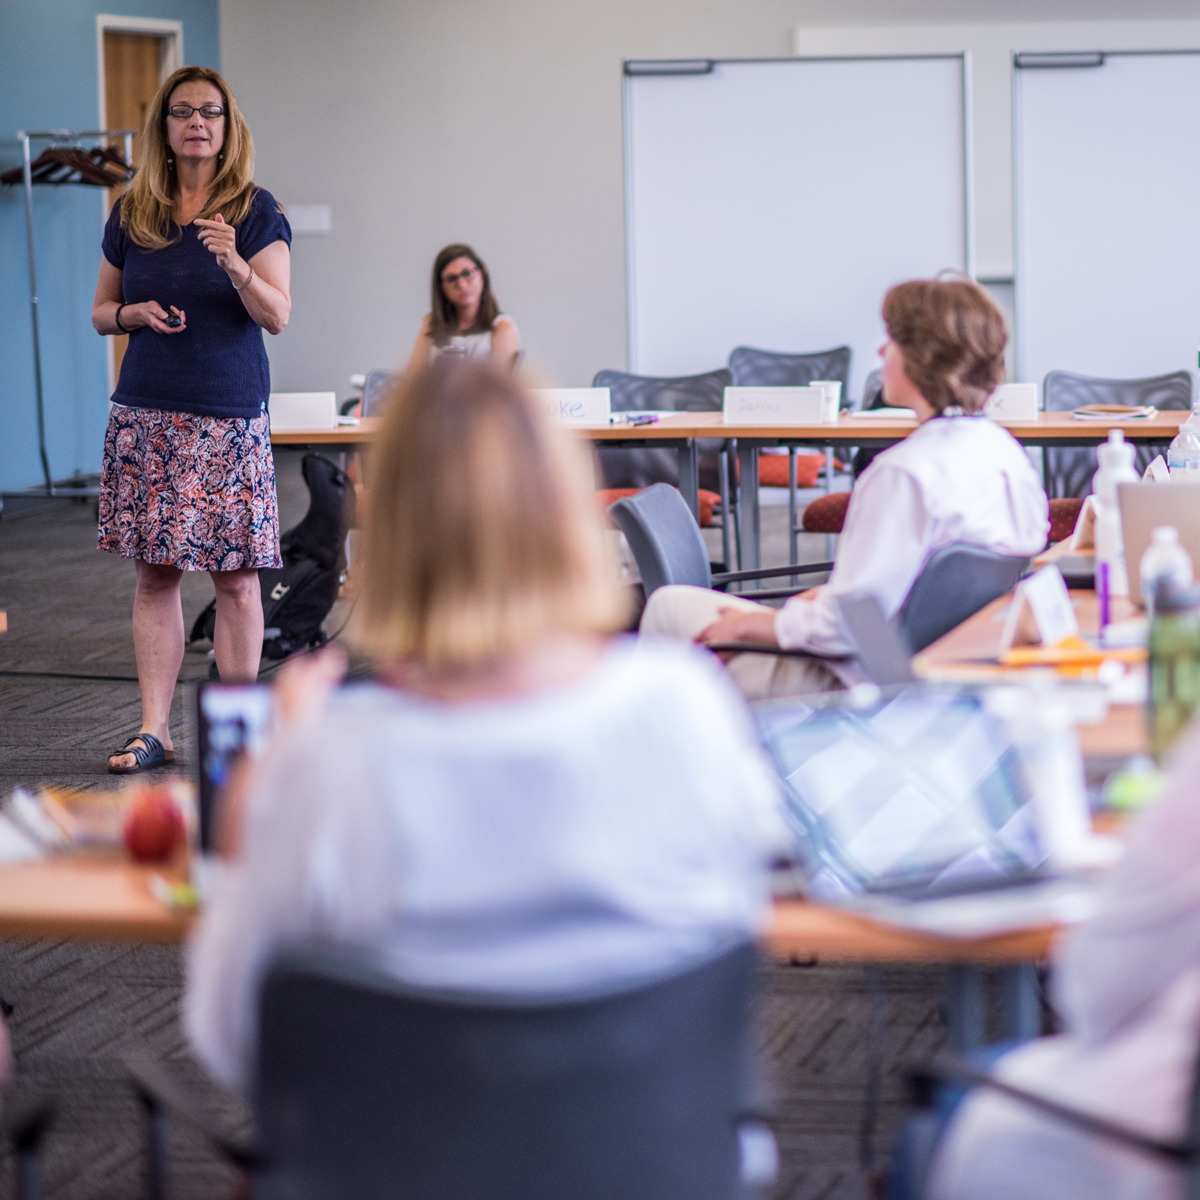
(481, 537)
(146, 207)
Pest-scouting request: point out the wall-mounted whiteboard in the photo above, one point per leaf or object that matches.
(1107, 181)
(771, 203)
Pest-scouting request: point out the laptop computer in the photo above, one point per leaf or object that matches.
(915, 810)
(1146, 505)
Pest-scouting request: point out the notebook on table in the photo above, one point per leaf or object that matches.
(915, 810)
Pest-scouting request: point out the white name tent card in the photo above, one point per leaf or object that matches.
(1013, 402)
(302, 410)
(775, 405)
(1041, 612)
(576, 406)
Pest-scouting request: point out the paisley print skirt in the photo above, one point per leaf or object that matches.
(186, 491)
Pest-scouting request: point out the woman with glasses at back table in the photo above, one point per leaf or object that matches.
(464, 317)
(196, 265)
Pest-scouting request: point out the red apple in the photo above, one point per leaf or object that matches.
(153, 825)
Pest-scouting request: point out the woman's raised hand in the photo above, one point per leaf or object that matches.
(221, 239)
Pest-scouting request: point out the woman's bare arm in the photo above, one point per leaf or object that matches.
(421, 347)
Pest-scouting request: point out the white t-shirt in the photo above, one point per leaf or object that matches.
(474, 345)
(953, 479)
(542, 844)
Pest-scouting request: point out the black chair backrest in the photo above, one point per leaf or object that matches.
(377, 388)
(766, 368)
(369, 1089)
(872, 396)
(662, 533)
(954, 584)
(642, 393)
(1069, 471)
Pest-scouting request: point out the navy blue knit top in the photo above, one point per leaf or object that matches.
(217, 366)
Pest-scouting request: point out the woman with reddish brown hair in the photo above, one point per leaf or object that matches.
(958, 477)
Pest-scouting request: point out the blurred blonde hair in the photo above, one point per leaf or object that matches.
(480, 537)
(146, 206)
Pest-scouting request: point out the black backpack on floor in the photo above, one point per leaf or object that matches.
(297, 597)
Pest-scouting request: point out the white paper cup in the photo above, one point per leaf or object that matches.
(831, 400)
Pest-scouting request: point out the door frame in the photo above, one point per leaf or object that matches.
(170, 31)
(172, 59)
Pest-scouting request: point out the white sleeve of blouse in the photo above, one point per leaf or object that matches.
(881, 550)
(1147, 929)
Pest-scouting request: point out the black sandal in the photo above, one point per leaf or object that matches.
(151, 754)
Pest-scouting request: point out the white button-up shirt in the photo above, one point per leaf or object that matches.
(540, 844)
(954, 479)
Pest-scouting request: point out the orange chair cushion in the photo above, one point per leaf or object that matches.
(826, 514)
(773, 469)
(607, 496)
(1063, 516)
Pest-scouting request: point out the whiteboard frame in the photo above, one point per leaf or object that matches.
(690, 64)
(1019, 282)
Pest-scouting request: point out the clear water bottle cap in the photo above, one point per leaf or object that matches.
(1164, 533)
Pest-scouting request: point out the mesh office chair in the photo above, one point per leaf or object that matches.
(1068, 472)
(373, 1089)
(377, 387)
(642, 467)
(668, 547)
(766, 368)
(913, 1159)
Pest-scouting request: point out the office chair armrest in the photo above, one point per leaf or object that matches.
(727, 577)
(162, 1094)
(951, 1069)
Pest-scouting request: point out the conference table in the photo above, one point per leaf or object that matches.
(682, 431)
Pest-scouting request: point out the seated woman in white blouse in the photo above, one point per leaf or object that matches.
(1127, 991)
(958, 477)
(521, 802)
(464, 317)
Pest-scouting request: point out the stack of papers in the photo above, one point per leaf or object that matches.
(1113, 412)
(870, 414)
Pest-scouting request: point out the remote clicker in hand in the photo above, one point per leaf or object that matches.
(173, 321)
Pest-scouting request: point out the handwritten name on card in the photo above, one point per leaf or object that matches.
(1013, 402)
(576, 406)
(774, 405)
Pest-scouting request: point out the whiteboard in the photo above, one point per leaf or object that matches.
(771, 203)
(1107, 215)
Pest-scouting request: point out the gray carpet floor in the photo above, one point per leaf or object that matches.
(78, 1008)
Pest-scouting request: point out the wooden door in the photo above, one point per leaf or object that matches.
(133, 72)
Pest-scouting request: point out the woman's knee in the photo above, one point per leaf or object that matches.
(239, 587)
(679, 610)
(153, 579)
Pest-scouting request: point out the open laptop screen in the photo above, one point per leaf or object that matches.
(921, 793)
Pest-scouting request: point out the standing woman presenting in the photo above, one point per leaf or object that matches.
(196, 264)
(464, 316)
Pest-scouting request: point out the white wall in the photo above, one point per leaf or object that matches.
(496, 122)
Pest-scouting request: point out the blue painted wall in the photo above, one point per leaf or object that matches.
(49, 79)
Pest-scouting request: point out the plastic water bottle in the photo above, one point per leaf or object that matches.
(1116, 466)
(1184, 452)
(1165, 560)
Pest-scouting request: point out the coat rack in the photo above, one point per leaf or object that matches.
(95, 170)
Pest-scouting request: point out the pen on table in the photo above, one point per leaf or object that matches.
(633, 418)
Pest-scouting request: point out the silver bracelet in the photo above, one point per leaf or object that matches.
(246, 284)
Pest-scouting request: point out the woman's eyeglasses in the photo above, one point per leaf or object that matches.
(461, 277)
(183, 112)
